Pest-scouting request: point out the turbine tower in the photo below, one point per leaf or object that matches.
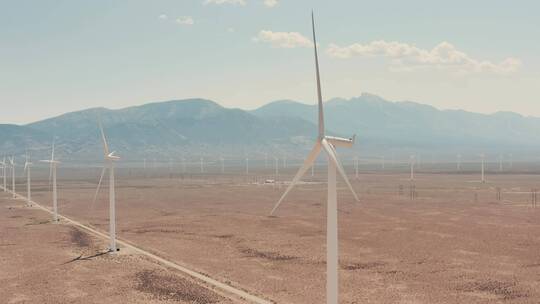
(4, 169)
(483, 180)
(412, 167)
(328, 144)
(12, 162)
(356, 167)
(52, 175)
(109, 158)
(27, 165)
(458, 162)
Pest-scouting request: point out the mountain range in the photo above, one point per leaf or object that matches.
(195, 127)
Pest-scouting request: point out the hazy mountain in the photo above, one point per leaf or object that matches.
(412, 126)
(164, 129)
(194, 126)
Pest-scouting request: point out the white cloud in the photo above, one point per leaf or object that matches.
(219, 2)
(409, 57)
(271, 3)
(283, 39)
(185, 20)
(163, 17)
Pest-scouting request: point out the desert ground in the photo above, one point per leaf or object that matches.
(454, 241)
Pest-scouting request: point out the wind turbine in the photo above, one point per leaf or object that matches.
(202, 165)
(109, 158)
(356, 166)
(276, 165)
(247, 165)
(222, 164)
(328, 144)
(52, 175)
(12, 162)
(483, 180)
(4, 169)
(412, 167)
(27, 165)
(458, 162)
(500, 162)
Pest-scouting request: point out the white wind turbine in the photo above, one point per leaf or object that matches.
(4, 171)
(328, 144)
(12, 162)
(458, 162)
(412, 167)
(27, 165)
(222, 164)
(109, 158)
(276, 167)
(52, 175)
(356, 167)
(483, 180)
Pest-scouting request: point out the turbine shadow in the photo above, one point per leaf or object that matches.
(87, 258)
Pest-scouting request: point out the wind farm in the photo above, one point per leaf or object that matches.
(342, 200)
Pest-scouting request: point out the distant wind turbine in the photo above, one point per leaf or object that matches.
(27, 165)
(356, 166)
(483, 180)
(109, 158)
(458, 162)
(412, 167)
(12, 162)
(4, 170)
(52, 175)
(328, 144)
(276, 165)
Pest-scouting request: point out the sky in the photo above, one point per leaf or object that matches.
(59, 56)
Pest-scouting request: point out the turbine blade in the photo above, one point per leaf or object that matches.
(319, 93)
(307, 164)
(98, 186)
(104, 139)
(332, 156)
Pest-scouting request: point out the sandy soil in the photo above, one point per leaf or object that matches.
(42, 262)
(455, 243)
